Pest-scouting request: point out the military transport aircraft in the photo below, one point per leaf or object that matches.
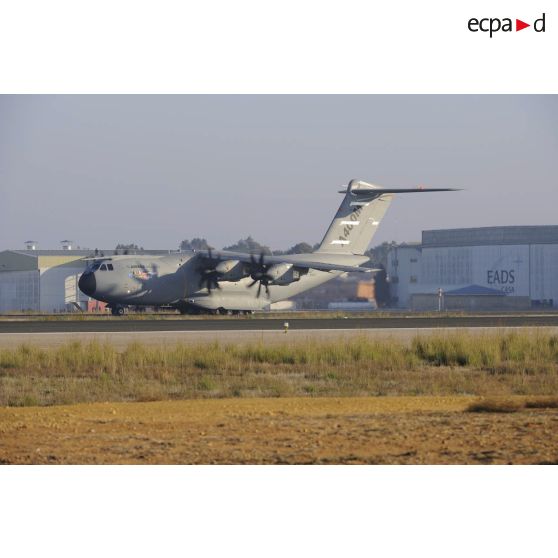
(215, 281)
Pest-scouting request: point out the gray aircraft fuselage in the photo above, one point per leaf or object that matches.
(174, 280)
(218, 280)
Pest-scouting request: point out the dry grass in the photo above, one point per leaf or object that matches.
(494, 406)
(259, 315)
(511, 406)
(542, 403)
(453, 364)
(175, 316)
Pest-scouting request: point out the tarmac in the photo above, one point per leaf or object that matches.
(122, 332)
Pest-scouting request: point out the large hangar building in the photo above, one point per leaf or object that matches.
(479, 268)
(33, 280)
(41, 280)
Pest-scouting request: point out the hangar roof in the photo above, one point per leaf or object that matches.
(482, 236)
(29, 260)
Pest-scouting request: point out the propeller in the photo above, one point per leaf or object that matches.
(258, 272)
(209, 276)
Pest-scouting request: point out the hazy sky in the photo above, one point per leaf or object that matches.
(154, 170)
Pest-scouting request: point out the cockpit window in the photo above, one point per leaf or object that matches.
(103, 267)
(95, 267)
(110, 268)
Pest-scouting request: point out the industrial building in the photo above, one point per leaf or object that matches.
(45, 280)
(347, 292)
(476, 269)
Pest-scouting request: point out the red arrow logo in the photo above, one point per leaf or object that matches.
(519, 25)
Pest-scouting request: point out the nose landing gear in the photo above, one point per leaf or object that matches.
(117, 310)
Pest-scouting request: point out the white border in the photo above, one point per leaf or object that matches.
(292, 46)
(278, 511)
(357, 46)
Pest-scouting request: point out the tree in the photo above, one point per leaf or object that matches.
(248, 245)
(381, 289)
(126, 248)
(300, 248)
(195, 244)
(378, 254)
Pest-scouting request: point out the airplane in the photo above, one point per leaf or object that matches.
(222, 282)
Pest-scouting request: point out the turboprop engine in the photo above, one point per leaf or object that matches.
(231, 270)
(283, 274)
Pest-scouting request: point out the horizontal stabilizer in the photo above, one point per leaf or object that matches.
(380, 191)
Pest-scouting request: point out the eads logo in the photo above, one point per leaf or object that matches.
(493, 25)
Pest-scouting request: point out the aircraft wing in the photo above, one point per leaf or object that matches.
(298, 260)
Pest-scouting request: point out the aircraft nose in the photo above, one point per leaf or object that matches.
(87, 283)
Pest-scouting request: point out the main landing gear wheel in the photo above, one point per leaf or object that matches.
(117, 311)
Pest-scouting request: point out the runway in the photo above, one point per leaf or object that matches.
(122, 332)
(110, 325)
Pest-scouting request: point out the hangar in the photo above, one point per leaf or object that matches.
(482, 268)
(33, 280)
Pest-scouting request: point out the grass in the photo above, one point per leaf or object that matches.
(274, 315)
(170, 315)
(508, 406)
(542, 403)
(494, 406)
(496, 365)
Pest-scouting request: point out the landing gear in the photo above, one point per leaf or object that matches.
(192, 309)
(189, 311)
(117, 310)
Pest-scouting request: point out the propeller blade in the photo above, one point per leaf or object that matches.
(252, 283)
(261, 259)
(259, 289)
(266, 289)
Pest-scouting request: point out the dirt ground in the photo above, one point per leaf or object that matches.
(388, 430)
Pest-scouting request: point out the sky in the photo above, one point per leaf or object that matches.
(154, 170)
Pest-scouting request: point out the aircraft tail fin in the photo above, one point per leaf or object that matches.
(359, 215)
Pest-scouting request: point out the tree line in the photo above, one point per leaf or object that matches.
(377, 254)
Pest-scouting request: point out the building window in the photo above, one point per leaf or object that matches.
(413, 279)
(413, 260)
